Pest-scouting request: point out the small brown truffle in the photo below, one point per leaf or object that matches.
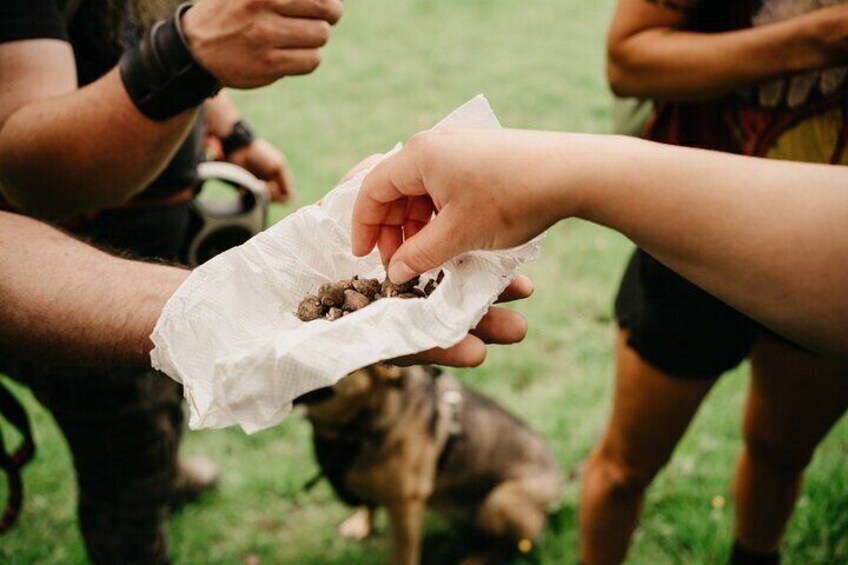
(368, 287)
(409, 285)
(390, 289)
(354, 301)
(310, 308)
(331, 294)
(334, 300)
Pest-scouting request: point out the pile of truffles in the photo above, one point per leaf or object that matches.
(334, 300)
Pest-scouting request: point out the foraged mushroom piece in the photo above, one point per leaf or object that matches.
(368, 287)
(331, 294)
(390, 289)
(310, 308)
(336, 299)
(354, 301)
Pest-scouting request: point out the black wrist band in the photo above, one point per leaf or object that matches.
(161, 75)
(241, 136)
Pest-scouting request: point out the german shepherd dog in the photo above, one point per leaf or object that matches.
(409, 438)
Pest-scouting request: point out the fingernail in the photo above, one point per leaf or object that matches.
(399, 272)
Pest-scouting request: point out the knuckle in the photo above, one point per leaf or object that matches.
(267, 63)
(261, 33)
(421, 142)
(257, 5)
(425, 147)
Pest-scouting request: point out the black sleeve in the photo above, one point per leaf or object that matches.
(31, 19)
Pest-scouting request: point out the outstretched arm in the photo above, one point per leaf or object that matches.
(768, 237)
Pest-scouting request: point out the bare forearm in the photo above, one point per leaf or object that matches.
(768, 237)
(672, 64)
(85, 149)
(64, 301)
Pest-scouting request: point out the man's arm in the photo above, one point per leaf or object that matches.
(768, 237)
(64, 150)
(651, 55)
(63, 300)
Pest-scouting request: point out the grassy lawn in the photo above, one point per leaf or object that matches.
(392, 68)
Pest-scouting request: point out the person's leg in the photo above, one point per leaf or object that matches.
(123, 429)
(651, 411)
(795, 398)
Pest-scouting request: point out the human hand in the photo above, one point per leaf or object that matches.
(252, 43)
(490, 189)
(266, 163)
(499, 326)
(829, 31)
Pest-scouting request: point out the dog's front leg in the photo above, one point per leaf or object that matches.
(405, 518)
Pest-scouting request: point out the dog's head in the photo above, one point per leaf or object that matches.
(365, 389)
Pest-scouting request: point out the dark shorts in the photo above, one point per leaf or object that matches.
(677, 327)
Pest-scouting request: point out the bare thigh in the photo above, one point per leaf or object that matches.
(651, 411)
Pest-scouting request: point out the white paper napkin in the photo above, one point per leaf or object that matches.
(230, 336)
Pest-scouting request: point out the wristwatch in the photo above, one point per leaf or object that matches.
(240, 137)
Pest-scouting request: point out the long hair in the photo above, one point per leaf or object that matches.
(102, 21)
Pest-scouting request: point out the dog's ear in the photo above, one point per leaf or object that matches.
(385, 373)
(355, 383)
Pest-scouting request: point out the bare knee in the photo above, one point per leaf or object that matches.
(785, 461)
(621, 475)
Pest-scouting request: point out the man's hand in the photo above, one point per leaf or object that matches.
(266, 163)
(252, 43)
(487, 188)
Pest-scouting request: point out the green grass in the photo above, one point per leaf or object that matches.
(394, 67)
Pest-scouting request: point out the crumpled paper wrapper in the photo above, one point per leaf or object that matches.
(230, 336)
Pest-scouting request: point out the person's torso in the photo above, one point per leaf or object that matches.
(99, 31)
(770, 120)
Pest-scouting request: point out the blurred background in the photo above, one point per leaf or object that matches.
(391, 69)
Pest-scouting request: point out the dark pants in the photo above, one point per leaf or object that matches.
(123, 426)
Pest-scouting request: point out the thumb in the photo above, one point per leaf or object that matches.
(435, 244)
